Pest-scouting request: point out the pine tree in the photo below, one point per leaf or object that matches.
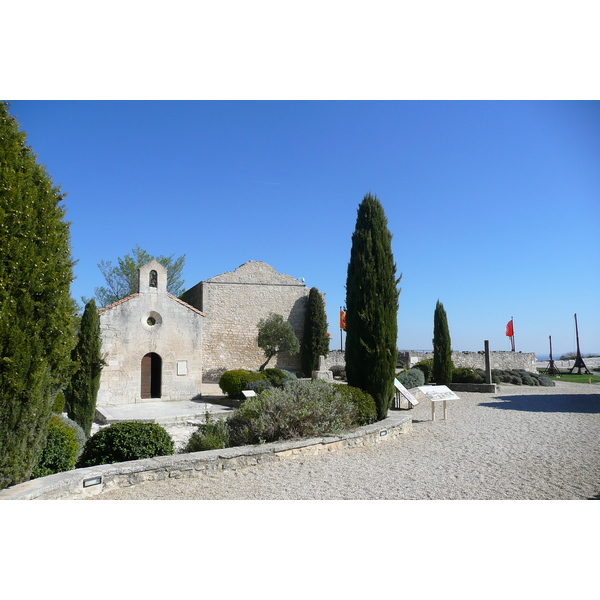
(86, 356)
(442, 347)
(315, 341)
(372, 306)
(36, 310)
(122, 280)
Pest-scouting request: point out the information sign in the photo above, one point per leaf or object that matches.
(438, 393)
(400, 389)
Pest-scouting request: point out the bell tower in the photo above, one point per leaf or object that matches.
(152, 278)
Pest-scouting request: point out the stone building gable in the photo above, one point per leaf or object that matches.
(234, 303)
(255, 272)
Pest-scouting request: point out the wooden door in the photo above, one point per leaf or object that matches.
(151, 376)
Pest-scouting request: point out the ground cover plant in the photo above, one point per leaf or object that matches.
(298, 409)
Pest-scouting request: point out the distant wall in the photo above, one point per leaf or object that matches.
(500, 359)
(504, 360)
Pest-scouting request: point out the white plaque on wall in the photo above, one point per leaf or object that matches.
(182, 367)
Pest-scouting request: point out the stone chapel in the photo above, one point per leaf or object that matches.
(158, 347)
(152, 344)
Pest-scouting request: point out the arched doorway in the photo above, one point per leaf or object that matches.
(151, 376)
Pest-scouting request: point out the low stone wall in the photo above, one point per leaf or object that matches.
(499, 359)
(503, 360)
(91, 481)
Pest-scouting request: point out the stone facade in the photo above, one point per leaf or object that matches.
(233, 303)
(152, 345)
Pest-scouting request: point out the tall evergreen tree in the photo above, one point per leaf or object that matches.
(372, 306)
(83, 388)
(442, 347)
(315, 341)
(36, 310)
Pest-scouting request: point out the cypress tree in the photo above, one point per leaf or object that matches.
(315, 341)
(442, 347)
(372, 306)
(83, 388)
(36, 310)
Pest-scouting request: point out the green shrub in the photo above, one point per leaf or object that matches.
(412, 378)
(426, 366)
(520, 377)
(233, 382)
(259, 386)
(363, 402)
(299, 409)
(211, 435)
(278, 377)
(61, 450)
(465, 375)
(126, 441)
(58, 406)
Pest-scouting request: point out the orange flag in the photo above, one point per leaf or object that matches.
(509, 329)
(343, 320)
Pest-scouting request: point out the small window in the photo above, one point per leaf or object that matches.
(153, 279)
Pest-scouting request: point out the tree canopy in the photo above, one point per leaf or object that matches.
(122, 279)
(275, 336)
(372, 306)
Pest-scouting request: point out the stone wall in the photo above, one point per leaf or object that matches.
(75, 484)
(504, 360)
(500, 360)
(234, 302)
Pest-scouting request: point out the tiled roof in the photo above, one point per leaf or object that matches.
(121, 301)
(186, 304)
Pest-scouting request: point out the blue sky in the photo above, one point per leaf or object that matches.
(494, 207)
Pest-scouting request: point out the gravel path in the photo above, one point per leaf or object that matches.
(520, 443)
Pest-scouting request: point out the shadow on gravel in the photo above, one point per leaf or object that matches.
(584, 403)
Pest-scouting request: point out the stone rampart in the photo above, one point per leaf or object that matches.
(499, 360)
(503, 360)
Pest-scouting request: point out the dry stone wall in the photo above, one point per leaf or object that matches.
(234, 302)
(500, 359)
(504, 360)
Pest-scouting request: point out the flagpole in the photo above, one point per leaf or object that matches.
(341, 330)
(513, 333)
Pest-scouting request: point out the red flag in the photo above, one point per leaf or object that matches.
(343, 320)
(509, 329)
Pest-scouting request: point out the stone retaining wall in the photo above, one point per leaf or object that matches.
(75, 484)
